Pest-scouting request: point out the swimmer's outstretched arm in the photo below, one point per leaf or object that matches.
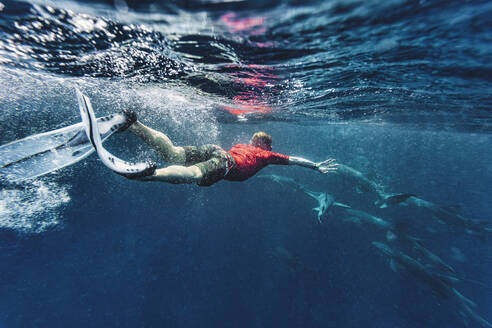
(323, 167)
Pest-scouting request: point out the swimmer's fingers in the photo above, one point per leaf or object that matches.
(327, 169)
(327, 166)
(328, 161)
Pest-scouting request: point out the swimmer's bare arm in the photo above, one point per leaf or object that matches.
(324, 167)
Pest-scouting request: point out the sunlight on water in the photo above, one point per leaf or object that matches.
(181, 109)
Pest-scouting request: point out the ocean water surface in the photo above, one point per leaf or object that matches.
(399, 92)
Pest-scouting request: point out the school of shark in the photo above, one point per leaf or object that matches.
(404, 251)
(40, 154)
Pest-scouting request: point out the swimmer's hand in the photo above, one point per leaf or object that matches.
(327, 166)
(323, 167)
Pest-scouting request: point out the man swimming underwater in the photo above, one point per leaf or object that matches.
(208, 164)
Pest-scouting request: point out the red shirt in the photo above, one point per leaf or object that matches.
(250, 159)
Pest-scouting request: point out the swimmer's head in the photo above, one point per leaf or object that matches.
(262, 140)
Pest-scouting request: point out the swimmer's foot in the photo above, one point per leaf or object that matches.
(149, 171)
(131, 117)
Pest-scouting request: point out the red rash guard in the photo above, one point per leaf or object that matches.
(250, 159)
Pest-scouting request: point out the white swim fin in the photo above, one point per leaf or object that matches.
(127, 169)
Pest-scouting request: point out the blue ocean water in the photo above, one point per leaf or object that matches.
(398, 90)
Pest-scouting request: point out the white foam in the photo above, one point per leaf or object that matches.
(86, 24)
(189, 111)
(34, 208)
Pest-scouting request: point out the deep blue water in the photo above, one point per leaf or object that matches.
(399, 90)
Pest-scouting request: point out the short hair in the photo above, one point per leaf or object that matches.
(261, 138)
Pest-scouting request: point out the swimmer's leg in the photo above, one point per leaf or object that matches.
(176, 174)
(160, 142)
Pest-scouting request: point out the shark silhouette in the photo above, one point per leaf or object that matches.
(325, 202)
(441, 284)
(365, 184)
(452, 218)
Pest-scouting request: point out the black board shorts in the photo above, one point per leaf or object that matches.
(213, 161)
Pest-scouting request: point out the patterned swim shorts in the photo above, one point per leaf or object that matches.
(214, 162)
